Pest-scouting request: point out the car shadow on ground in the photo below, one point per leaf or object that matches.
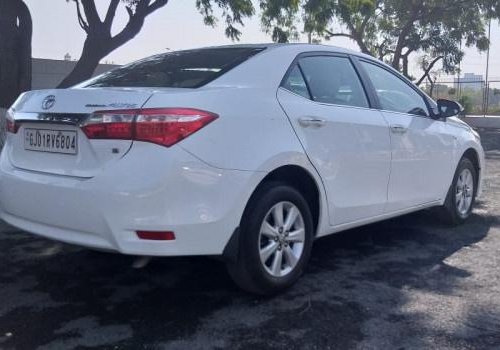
(63, 296)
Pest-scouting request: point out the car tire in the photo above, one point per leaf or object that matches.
(461, 195)
(273, 251)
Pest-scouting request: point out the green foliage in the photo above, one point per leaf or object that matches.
(233, 13)
(100, 40)
(392, 30)
(466, 102)
(279, 18)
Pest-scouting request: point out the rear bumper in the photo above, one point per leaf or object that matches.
(152, 189)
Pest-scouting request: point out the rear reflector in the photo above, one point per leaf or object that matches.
(163, 126)
(11, 126)
(156, 236)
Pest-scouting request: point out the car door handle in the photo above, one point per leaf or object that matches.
(311, 121)
(399, 129)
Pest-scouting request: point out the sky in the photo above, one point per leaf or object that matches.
(179, 26)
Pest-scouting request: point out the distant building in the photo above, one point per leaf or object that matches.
(47, 74)
(469, 81)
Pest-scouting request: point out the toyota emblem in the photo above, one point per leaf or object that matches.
(48, 102)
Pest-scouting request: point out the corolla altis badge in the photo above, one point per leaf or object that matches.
(112, 105)
(48, 102)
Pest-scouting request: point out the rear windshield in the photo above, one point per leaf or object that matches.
(181, 69)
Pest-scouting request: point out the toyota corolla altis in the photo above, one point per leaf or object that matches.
(247, 152)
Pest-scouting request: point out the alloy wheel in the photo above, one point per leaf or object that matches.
(464, 192)
(281, 239)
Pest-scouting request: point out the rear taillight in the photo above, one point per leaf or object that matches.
(163, 126)
(110, 125)
(11, 125)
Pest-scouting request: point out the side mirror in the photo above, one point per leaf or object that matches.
(449, 108)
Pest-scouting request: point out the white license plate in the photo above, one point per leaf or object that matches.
(53, 141)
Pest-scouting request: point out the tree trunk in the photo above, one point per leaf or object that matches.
(100, 42)
(358, 37)
(93, 52)
(25, 36)
(362, 45)
(15, 50)
(405, 66)
(405, 30)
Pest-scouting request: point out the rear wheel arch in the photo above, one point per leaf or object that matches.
(303, 181)
(282, 190)
(295, 176)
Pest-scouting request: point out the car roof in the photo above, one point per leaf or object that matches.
(297, 46)
(277, 52)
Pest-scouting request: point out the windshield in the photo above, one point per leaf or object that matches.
(181, 69)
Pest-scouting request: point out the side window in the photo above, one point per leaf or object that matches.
(295, 83)
(333, 80)
(393, 93)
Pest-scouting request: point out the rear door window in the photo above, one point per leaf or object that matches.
(295, 83)
(181, 69)
(333, 80)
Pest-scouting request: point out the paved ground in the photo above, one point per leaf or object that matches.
(409, 283)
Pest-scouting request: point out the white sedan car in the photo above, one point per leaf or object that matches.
(247, 152)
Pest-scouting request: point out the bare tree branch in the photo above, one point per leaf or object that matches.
(110, 15)
(358, 37)
(136, 21)
(331, 34)
(428, 70)
(129, 11)
(81, 20)
(142, 7)
(156, 5)
(354, 35)
(91, 13)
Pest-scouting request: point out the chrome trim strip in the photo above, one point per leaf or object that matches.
(53, 118)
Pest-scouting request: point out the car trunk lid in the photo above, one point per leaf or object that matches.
(49, 138)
